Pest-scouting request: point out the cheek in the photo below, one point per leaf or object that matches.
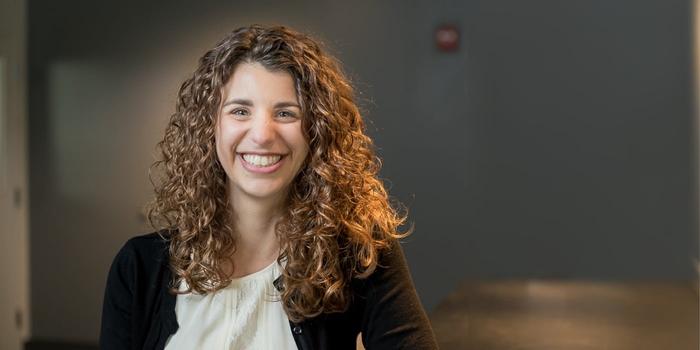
(223, 144)
(295, 136)
(302, 155)
(219, 146)
(220, 153)
(299, 144)
(305, 151)
(227, 137)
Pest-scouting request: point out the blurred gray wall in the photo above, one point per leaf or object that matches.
(555, 144)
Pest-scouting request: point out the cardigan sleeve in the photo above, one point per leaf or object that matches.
(394, 317)
(116, 330)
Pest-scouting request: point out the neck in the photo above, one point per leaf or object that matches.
(254, 221)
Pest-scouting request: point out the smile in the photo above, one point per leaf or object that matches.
(261, 163)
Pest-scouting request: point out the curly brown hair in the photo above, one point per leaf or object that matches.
(338, 217)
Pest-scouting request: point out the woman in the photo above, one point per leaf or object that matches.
(275, 231)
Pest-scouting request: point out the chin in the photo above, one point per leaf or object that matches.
(261, 191)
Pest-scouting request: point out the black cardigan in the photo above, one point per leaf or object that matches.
(139, 312)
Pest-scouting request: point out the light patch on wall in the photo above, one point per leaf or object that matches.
(81, 128)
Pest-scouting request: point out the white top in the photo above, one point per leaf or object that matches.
(247, 314)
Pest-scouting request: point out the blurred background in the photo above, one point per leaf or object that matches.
(546, 150)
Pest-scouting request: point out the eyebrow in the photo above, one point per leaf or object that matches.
(249, 103)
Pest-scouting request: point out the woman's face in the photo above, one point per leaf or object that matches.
(259, 140)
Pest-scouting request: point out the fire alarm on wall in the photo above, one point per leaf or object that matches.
(447, 38)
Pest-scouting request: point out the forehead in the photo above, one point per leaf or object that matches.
(256, 82)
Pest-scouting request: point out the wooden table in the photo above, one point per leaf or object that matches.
(569, 315)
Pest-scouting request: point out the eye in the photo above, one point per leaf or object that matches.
(286, 114)
(239, 112)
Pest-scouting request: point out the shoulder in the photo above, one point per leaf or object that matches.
(394, 317)
(391, 258)
(391, 271)
(142, 252)
(136, 287)
(146, 245)
(147, 242)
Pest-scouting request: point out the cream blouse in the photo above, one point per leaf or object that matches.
(247, 314)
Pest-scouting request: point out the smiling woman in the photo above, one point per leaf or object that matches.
(259, 140)
(273, 230)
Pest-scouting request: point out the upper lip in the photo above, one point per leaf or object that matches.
(262, 153)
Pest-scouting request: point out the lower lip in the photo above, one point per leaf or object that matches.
(261, 170)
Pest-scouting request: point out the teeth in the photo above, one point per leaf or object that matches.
(261, 161)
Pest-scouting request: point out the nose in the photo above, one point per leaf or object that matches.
(262, 130)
